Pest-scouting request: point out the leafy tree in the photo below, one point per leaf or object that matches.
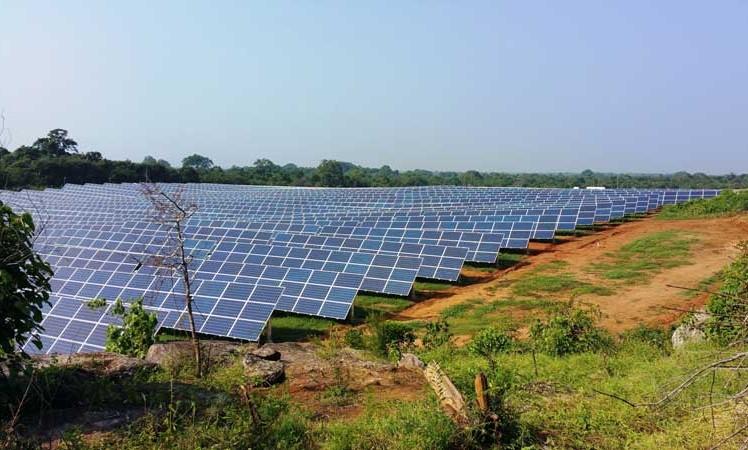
(24, 283)
(56, 143)
(198, 162)
(93, 156)
(330, 173)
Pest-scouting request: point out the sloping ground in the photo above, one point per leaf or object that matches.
(630, 302)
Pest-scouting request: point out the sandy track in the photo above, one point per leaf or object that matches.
(632, 304)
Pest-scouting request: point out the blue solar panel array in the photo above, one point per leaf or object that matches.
(254, 250)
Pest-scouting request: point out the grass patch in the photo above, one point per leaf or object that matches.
(727, 203)
(396, 425)
(367, 307)
(643, 258)
(287, 327)
(474, 315)
(507, 260)
(430, 286)
(535, 285)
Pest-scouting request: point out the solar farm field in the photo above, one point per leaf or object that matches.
(254, 251)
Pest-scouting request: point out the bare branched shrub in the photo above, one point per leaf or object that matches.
(172, 211)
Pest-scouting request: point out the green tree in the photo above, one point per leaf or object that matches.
(330, 173)
(56, 143)
(24, 283)
(198, 162)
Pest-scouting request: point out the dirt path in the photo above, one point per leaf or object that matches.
(632, 304)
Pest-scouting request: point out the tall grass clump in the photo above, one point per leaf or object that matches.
(393, 425)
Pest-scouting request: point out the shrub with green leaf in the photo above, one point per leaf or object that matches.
(572, 330)
(729, 305)
(437, 334)
(492, 341)
(389, 337)
(24, 283)
(354, 338)
(135, 335)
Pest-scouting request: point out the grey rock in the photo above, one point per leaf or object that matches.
(263, 372)
(686, 334)
(691, 331)
(101, 364)
(267, 352)
(410, 361)
(169, 353)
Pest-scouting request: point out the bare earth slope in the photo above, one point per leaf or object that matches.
(632, 303)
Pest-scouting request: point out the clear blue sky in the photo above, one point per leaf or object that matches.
(637, 86)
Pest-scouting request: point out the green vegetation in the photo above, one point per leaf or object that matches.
(55, 159)
(570, 331)
(474, 315)
(550, 279)
(24, 284)
(393, 425)
(490, 342)
(389, 338)
(643, 258)
(437, 334)
(729, 305)
(373, 305)
(430, 286)
(288, 327)
(728, 202)
(135, 335)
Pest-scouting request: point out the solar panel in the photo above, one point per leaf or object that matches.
(257, 249)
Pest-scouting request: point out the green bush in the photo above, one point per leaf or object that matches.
(729, 305)
(389, 337)
(437, 334)
(573, 330)
(135, 335)
(354, 338)
(490, 342)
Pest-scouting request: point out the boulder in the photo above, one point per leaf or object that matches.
(267, 352)
(686, 334)
(168, 353)
(100, 364)
(692, 330)
(263, 372)
(410, 361)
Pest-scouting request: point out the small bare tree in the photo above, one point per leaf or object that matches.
(172, 211)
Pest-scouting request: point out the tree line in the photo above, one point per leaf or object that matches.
(55, 159)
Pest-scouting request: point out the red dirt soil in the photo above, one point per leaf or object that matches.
(651, 302)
